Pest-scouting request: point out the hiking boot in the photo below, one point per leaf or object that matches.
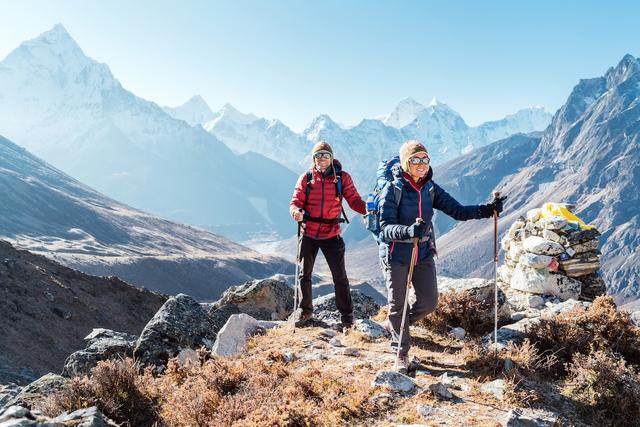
(342, 327)
(303, 318)
(402, 364)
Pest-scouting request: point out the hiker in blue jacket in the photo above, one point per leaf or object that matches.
(399, 226)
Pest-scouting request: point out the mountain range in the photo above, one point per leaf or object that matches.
(71, 111)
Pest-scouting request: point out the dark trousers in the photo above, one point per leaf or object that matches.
(425, 286)
(333, 251)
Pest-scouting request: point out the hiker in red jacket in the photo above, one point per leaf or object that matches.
(317, 201)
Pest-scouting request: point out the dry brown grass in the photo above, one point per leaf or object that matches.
(460, 309)
(115, 387)
(607, 390)
(601, 326)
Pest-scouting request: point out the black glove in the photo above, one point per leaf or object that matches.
(486, 211)
(417, 230)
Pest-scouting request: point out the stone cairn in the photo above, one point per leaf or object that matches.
(552, 256)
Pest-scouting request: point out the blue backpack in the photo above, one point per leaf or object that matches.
(385, 174)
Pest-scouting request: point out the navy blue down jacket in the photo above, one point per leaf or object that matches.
(416, 202)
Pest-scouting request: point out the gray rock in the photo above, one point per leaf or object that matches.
(514, 332)
(38, 390)
(481, 290)
(102, 344)
(394, 381)
(458, 333)
(180, 323)
(86, 417)
(551, 235)
(426, 411)
(553, 309)
(328, 333)
(535, 261)
(265, 299)
(363, 307)
(8, 392)
(553, 222)
(188, 356)
(635, 318)
(538, 245)
(529, 418)
(13, 412)
(536, 301)
(440, 391)
(233, 336)
(515, 317)
(335, 342)
(495, 387)
(350, 351)
(370, 328)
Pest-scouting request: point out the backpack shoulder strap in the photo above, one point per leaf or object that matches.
(397, 191)
(307, 189)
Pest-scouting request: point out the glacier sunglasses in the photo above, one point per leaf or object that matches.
(322, 155)
(418, 160)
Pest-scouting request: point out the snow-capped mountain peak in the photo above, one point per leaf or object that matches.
(405, 112)
(195, 111)
(229, 114)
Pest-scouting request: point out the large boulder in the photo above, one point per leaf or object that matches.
(180, 323)
(540, 281)
(21, 416)
(481, 290)
(363, 307)
(266, 299)
(232, 338)
(37, 391)
(102, 344)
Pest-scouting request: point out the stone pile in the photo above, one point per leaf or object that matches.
(551, 255)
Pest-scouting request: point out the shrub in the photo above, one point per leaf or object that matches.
(607, 390)
(601, 326)
(461, 309)
(115, 387)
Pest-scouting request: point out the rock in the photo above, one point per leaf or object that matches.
(350, 351)
(13, 412)
(515, 227)
(536, 301)
(515, 317)
(265, 299)
(534, 281)
(458, 332)
(533, 214)
(582, 236)
(233, 336)
(440, 391)
(395, 381)
(551, 235)
(538, 245)
(188, 356)
(426, 411)
(593, 285)
(495, 387)
(553, 222)
(553, 309)
(370, 328)
(508, 365)
(335, 342)
(180, 323)
(635, 318)
(581, 265)
(102, 344)
(588, 246)
(515, 251)
(452, 381)
(514, 332)
(86, 417)
(38, 390)
(328, 333)
(8, 392)
(535, 261)
(529, 418)
(363, 307)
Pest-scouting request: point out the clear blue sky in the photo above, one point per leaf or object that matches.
(296, 59)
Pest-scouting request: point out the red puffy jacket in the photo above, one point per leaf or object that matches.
(323, 202)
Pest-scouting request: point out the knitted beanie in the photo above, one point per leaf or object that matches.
(321, 146)
(409, 149)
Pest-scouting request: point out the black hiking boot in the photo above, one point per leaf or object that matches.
(304, 318)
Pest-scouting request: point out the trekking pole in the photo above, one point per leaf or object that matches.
(495, 272)
(414, 256)
(297, 291)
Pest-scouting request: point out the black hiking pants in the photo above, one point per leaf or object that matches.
(333, 251)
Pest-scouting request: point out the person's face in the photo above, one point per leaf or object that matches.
(322, 159)
(419, 165)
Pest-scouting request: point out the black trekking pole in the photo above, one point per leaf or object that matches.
(297, 291)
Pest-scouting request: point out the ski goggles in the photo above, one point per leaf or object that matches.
(322, 155)
(418, 160)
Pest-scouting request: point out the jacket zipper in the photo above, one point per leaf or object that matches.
(419, 190)
(321, 206)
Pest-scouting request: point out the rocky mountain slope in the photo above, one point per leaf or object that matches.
(47, 309)
(588, 157)
(46, 211)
